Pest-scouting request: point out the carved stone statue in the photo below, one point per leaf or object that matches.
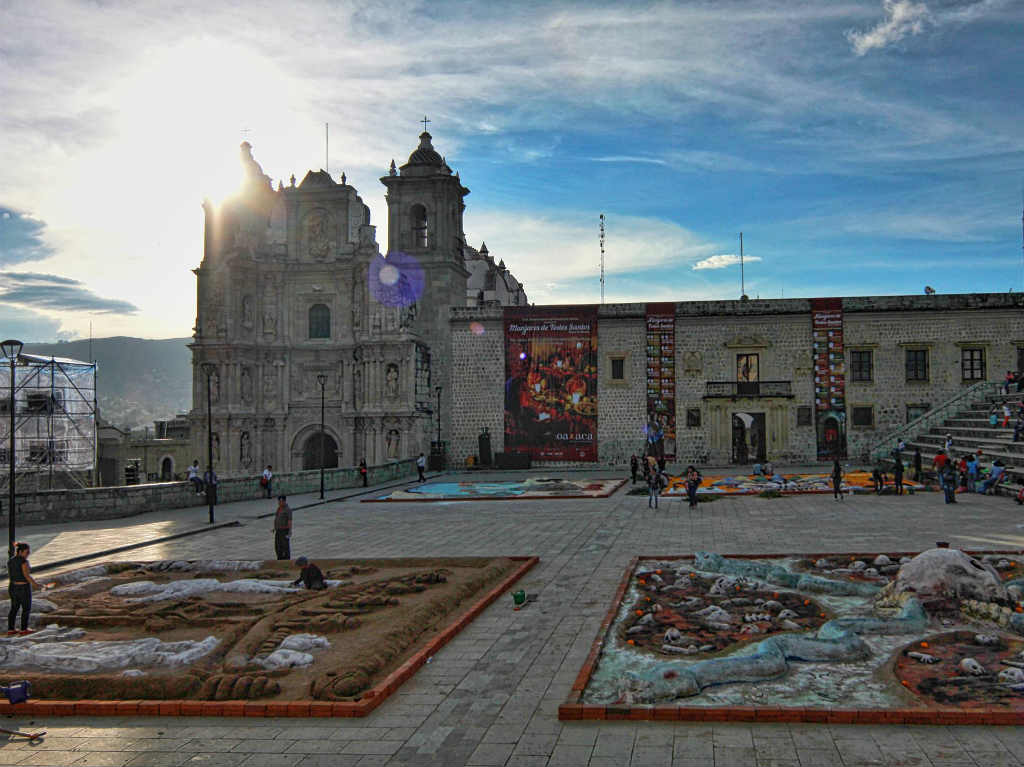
(269, 309)
(215, 386)
(391, 382)
(245, 449)
(392, 444)
(357, 303)
(270, 384)
(216, 447)
(357, 386)
(318, 241)
(248, 311)
(246, 385)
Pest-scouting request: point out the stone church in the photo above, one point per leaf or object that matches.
(297, 307)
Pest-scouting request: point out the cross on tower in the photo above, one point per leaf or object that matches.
(425, 121)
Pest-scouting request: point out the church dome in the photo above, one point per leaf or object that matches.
(424, 155)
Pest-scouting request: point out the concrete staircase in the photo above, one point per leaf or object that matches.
(969, 426)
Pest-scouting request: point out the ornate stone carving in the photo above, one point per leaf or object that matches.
(358, 291)
(393, 443)
(248, 311)
(246, 385)
(391, 382)
(269, 308)
(216, 447)
(693, 363)
(245, 449)
(215, 386)
(357, 385)
(318, 238)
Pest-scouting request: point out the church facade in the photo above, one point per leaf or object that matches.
(297, 309)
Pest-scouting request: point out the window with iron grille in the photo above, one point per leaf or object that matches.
(319, 321)
(863, 416)
(803, 415)
(618, 368)
(917, 364)
(972, 364)
(692, 417)
(860, 366)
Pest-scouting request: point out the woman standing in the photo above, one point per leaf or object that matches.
(837, 481)
(20, 588)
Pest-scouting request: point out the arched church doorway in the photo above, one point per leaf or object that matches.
(167, 469)
(311, 451)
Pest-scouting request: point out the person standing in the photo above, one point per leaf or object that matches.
(917, 464)
(210, 480)
(837, 481)
(948, 482)
(20, 588)
(267, 479)
(421, 465)
(692, 484)
(653, 488)
(939, 462)
(283, 529)
(363, 471)
(634, 466)
(972, 473)
(897, 475)
(948, 445)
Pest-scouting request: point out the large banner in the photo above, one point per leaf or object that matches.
(829, 377)
(661, 380)
(551, 382)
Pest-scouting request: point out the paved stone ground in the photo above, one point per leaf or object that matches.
(490, 697)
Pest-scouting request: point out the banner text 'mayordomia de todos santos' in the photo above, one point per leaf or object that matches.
(551, 382)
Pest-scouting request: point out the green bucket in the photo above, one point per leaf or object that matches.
(518, 599)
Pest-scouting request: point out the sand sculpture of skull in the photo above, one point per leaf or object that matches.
(943, 574)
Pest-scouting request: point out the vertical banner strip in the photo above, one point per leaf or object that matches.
(829, 377)
(551, 382)
(661, 380)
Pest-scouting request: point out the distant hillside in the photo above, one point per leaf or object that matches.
(139, 380)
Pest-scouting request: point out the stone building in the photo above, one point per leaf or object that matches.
(297, 308)
(746, 375)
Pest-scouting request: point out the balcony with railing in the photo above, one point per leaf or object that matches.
(736, 389)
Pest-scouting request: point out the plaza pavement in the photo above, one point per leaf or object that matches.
(490, 697)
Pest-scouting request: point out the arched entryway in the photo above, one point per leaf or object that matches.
(320, 444)
(167, 469)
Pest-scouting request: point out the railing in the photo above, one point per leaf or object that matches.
(733, 389)
(934, 417)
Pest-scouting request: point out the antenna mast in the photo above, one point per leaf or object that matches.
(327, 147)
(743, 281)
(602, 258)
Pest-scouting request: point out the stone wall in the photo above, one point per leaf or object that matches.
(710, 335)
(49, 506)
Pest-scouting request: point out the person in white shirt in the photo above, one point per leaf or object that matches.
(267, 479)
(421, 464)
(194, 478)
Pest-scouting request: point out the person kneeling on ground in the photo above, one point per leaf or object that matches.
(310, 576)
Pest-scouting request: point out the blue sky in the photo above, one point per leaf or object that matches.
(862, 147)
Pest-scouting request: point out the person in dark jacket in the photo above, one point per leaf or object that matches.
(282, 528)
(634, 466)
(837, 481)
(310, 576)
(897, 475)
(693, 479)
(363, 471)
(20, 588)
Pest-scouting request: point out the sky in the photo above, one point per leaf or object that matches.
(862, 147)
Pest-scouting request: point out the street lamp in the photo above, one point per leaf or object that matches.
(438, 390)
(322, 380)
(208, 370)
(11, 349)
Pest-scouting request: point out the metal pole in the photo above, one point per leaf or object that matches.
(322, 380)
(439, 419)
(10, 476)
(209, 439)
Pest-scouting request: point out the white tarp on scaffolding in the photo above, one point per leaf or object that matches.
(54, 414)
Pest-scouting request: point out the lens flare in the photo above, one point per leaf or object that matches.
(396, 280)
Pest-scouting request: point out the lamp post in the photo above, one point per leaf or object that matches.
(11, 349)
(208, 370)
(322, 380)
(438, 390)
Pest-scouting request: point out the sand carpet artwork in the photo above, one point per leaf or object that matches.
(528, 488)
(790, 484)
(228, 630)
(930, 637)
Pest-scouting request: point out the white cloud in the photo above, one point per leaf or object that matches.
(538, 247)
(722, 260)
(902, 18)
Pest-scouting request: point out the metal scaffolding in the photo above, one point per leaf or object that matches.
(55, 422)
